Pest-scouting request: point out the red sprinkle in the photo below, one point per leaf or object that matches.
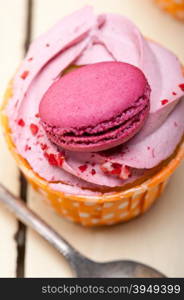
(165, 101)
(24, 74)
(174, 93)
(148, 147)
(93, 164)
(54, 159)
(37, 115)
(116, 168)
(21, 122)
(47, 45)
(51, 159)
(125, 172)
(43, 147)
(39, 136)
(30, 59)
(181, 86)
(83, 168)
(34, 129)
(60, 160)
(93, 172)
(27, 148)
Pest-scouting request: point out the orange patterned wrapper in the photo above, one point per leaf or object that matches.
(105, 209)
(173, 7)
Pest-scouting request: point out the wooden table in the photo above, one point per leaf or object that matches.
(156, 238)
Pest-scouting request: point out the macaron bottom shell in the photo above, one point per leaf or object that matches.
(98, 142)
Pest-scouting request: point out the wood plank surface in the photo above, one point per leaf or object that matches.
(12, 21)
(156, 237)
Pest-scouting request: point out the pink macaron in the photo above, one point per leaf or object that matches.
(96, 107)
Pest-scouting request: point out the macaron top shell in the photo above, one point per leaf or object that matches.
(92, 94)
(95, 100)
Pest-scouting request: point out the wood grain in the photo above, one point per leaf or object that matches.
(155, 238)
(12, 20)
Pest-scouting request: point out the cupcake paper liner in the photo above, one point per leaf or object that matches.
(173, 7)
(105, 209)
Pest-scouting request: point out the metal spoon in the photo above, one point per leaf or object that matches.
(81, 265)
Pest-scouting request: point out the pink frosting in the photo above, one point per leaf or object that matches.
(84, 38)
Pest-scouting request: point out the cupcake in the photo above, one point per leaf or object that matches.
(173, 7)
(94, 118)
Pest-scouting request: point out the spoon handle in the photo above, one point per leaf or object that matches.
(31, 219)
